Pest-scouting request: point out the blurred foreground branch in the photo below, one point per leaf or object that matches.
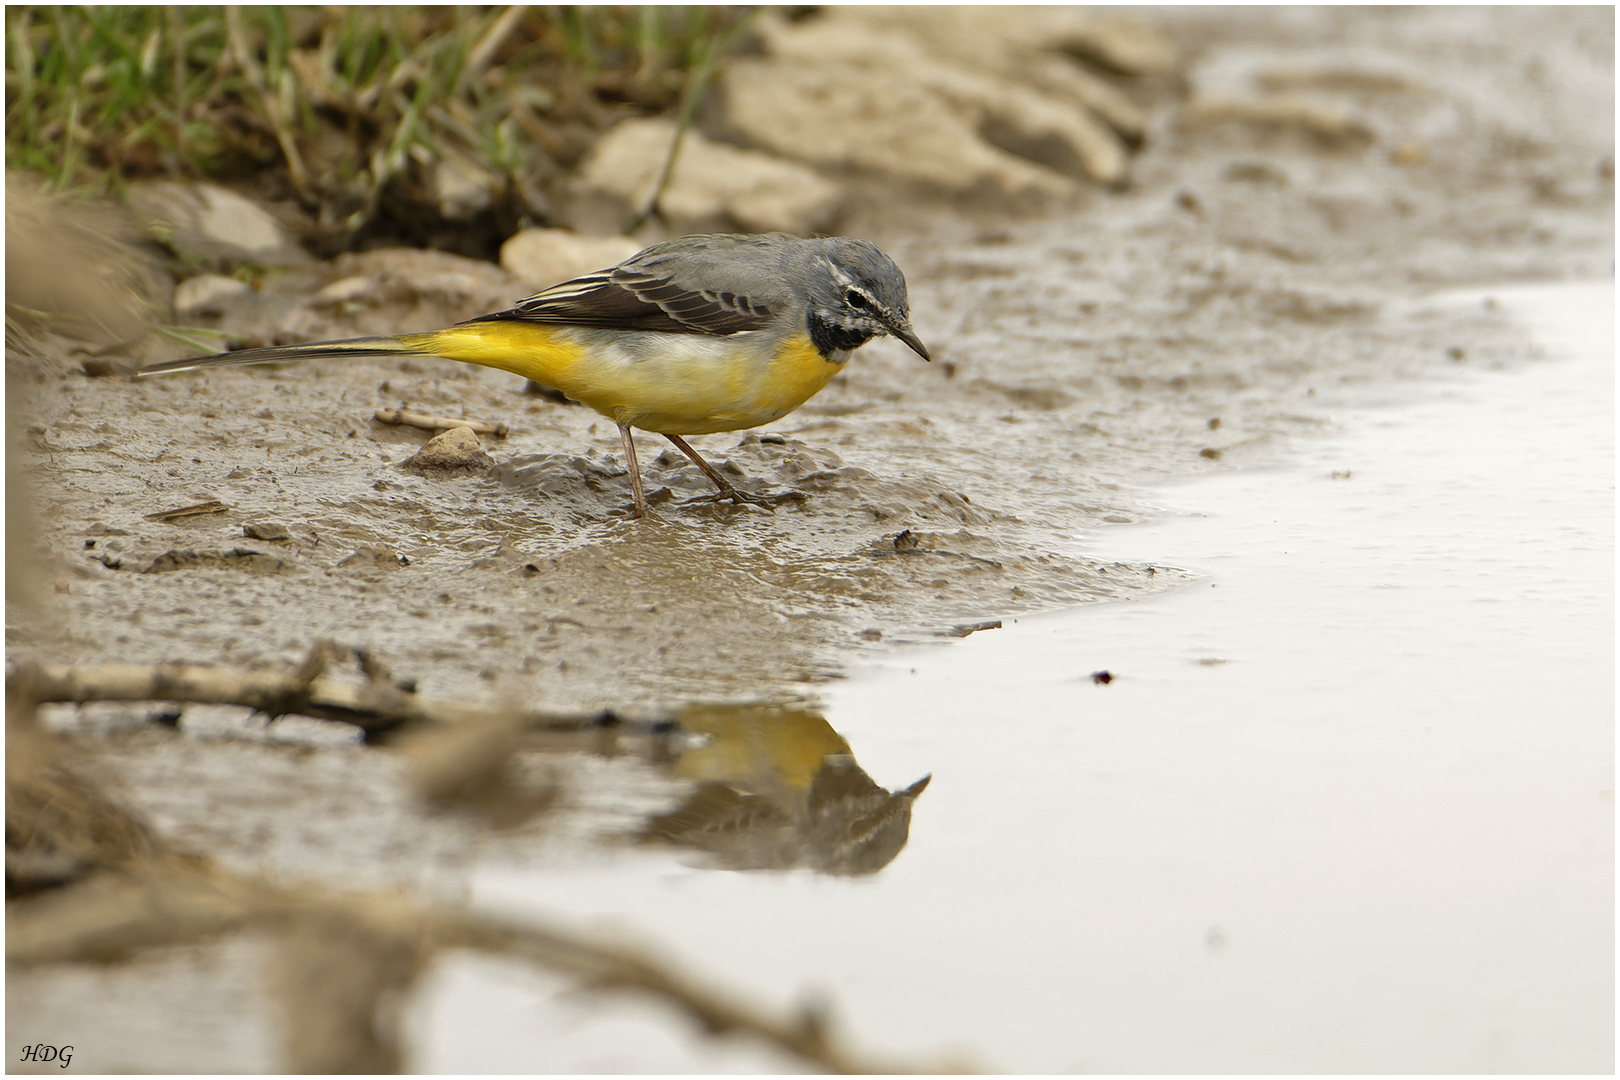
(382, 944)
(92, 882)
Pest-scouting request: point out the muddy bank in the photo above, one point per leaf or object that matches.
(1251, 279)
(1324, 169)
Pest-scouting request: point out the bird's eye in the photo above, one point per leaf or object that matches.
(855, 299)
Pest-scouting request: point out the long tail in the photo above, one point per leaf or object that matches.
(282, 354)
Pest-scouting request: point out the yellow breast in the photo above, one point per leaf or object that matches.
(679, 384)
(794, 372)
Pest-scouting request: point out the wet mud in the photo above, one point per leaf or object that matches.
(1259, 273)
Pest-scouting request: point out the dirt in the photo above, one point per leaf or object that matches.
(1256, 275)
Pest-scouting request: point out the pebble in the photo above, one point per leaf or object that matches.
(210, 222)
(546, 257)
(452, 452)
(208, 294)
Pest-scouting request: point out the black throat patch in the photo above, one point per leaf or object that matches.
(829, 338)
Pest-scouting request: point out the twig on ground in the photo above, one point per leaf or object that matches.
(377, 706)
(212, 506)
(429, 422)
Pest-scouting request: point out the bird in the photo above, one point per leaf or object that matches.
(691, 336)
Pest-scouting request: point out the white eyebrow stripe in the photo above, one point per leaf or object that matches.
(839, 274)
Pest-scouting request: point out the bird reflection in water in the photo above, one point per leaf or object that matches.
(778, 788)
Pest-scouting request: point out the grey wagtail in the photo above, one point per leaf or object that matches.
(694, 335)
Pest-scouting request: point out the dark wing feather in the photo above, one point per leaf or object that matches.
(684, 286)
(623, 299)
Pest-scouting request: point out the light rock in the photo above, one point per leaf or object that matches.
(1070, 141)
(1060, 78)
(545, 257)
(463, 187)
(879, 121)
(383, 292)
(959, 99)
(373, 556)
(991, 36)
(714, 187)
(430, 281)
(208, 294)
(212, 223)
(1120, 43)
(451, 453)
(348, 290)
(266, 530)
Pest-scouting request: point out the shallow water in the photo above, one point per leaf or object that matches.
(1345, 806)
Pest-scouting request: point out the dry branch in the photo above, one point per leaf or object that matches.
(212, 506)
(428, 422)
(376, 705)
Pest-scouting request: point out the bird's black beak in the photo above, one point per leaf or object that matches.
(901, 329)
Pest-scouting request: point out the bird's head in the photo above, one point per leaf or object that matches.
(857, 293)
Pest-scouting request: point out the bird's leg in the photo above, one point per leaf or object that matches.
(635, 470)
(726, 490)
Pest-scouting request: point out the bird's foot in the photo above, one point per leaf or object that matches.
(642, 509)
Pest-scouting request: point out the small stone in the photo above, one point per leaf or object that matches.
(346, 290)
(374, 555)
(546, 257)
(433, 285)
(452, 452)
(208, 294)
(212, 223)
(463, 187)
(266, 530)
